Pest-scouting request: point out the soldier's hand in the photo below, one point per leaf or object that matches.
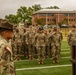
(27, 43)
(53, 33)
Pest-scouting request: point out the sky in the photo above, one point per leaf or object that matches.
(10, 6)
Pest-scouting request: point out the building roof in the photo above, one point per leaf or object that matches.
(55, 11)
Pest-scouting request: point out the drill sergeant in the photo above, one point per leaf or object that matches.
(40, 45)
(6, 54)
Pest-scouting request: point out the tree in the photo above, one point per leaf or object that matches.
(65, 21)
(53, 7)
(22, 13)
(12, 18)
(36, 7)
(25, 14)
(40, 21)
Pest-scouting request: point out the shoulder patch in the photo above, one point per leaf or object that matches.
(9, 49)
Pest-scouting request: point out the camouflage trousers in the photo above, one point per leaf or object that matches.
(41, 51)
(14, 49)
(24, 50)
(17, 50)
(50, 49)
(55, 52)
(7, 70)
(31, 50)
(47, 51)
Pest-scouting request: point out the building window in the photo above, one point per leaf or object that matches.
(71, 19)
(48, 20)
(66, 14)
(42, 15)
(71, 14)
(50, 14)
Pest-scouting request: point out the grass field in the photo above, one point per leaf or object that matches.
(27, 67)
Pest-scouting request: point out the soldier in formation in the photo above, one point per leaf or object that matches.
(55, 44)
(30, 42)
(39, 41)
(71, 36)
(40, 45)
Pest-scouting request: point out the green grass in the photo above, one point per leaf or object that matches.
(47, 62)
(49, 71)
(65, 55)
(65, 50)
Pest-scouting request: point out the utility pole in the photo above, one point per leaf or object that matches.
(46, 18)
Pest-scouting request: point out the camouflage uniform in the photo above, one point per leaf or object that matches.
(22, 41)
(71, 37)
(14, 49)
(47, 45)
(6, 55)
(17, 42)
(49, 42)
(25, 35)
(55, 46)
(6, 64)
(30, 40)
(40, 45)
(61, 38)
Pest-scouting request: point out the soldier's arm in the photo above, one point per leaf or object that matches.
(27, 37)
(51, 34)
(35, 39)
(61, 36)
(3, 55)
(69, 37)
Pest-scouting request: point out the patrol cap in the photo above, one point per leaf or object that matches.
(74, 26)
(6, 25)
(41, 28)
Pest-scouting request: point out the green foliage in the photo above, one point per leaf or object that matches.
(40, 21)
(65, 21)
(53, 7)
(36, 7)
(11, 18)
(23, 14)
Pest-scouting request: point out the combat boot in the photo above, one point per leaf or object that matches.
(42, 62)
(39, 62)
(32, 58)
(18, 58)
(57, 61)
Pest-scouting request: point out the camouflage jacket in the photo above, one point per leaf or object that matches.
(71, 37)
(17, 37)
(6, 58)
(56, 39)
(40, 39)
(30, 37)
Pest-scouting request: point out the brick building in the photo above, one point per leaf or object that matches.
(55, 16)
